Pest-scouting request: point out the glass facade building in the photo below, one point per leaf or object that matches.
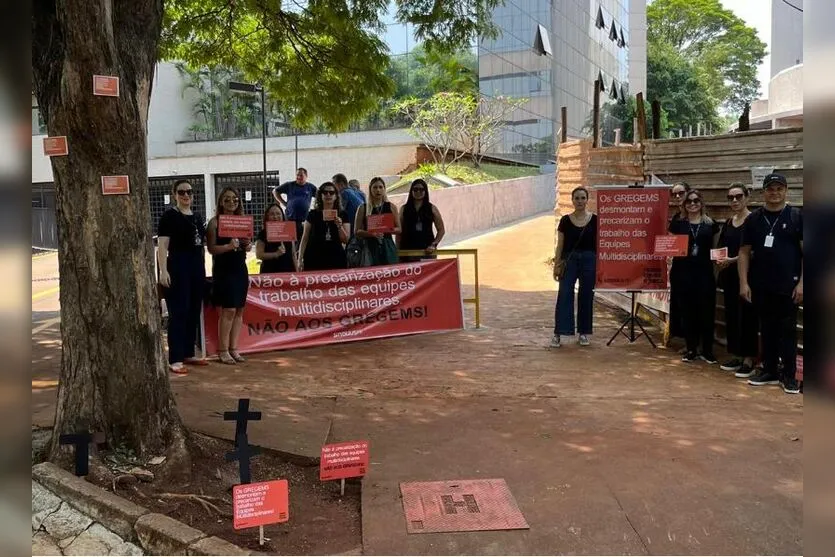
(589, 39)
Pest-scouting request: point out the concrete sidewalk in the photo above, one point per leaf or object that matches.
(607, 450)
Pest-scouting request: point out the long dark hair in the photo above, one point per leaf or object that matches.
(337, 202)
(410, 214)
(219, 207)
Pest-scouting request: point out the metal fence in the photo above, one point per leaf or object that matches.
(44, 225)
(160, 196)
(255, 198)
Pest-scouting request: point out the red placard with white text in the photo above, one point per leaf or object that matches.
(235, 226)
(629, 220)
(115, 185)
(344, 460)
(329, 214)
(671, 245)
(381, 224)
(258, 504)
(314, 308)
(105, 86)
(719, 254)
(798, 374)
(281, 231)
(55, 146)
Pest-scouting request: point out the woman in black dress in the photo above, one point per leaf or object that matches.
(692, 280)
(740, 316)
(182, 273)
(676, 321)
(325, 233)
(382, 247)
(275, 257)
(418, 216)
(230, 280)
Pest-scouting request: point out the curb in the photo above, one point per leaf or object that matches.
(156, 533)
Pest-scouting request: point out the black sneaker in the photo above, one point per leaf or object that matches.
(689, 357)
(790, 386)
(731, 365)
(709, 358)
(745, 371)
(764, 378)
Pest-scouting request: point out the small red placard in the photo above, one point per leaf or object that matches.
(105, 86)
(329, 214)
(381, 224)
(281, 231)
(719, 254)
(235, 226)
(344, 460)
(55, 146)
(798, 374)
(115, 185)
(260, 503)
(674, 245)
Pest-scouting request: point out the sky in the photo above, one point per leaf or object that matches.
(756, 14)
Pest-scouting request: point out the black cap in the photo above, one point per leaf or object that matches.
(772, 178)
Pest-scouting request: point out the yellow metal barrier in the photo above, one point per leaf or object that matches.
(457, 253)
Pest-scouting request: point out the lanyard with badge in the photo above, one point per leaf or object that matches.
(769, 238)
(695, 251)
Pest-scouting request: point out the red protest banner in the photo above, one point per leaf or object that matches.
(115, 185)
(381, 224)
(105, 86)
(260, 503)
(281, 231)
(629, 219)
(671, 245)
(55, 146)
(235, 226)
(344, 460)
(294, 310)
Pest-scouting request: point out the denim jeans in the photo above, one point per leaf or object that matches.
(580, 265)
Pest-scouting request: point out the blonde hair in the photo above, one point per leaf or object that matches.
(369, 206)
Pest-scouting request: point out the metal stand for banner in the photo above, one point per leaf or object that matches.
(631, 321)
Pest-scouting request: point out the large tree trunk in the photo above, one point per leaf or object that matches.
(114, 377)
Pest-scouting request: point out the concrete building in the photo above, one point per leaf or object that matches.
(551, 52)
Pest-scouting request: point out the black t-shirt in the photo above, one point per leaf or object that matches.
(775, 269)
(319, 228)
(575, 239)
(283, 264)
(417, 227)
(694, 272)
(186, 233)
(730, 237)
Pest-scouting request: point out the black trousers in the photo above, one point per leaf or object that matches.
(778, 327)
(741, 323)
(184, 298)
(699, 315)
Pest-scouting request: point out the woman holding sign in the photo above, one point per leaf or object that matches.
(276, 256)
(692, 281)
(418, 216)
(230, 280)
(575, 260)
(325, 233)
(740, 316)
(182, 273)
(376, 221)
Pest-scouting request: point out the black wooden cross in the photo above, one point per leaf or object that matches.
(242, 453)
(82, 442)
(241, 417)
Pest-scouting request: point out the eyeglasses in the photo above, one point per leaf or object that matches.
(693, 202)
(736, 197)
(185, 192)
(328, 192)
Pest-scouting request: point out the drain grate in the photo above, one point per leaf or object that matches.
(460, 506)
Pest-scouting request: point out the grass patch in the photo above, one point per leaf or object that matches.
(466, 174)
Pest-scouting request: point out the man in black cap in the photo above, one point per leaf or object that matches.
(771, 276)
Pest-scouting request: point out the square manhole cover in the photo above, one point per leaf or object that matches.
(460, 506)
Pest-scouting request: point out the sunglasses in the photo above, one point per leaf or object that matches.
(736, 197)
(230, 200)
(328, 192)
(694, 202)
(185, 192)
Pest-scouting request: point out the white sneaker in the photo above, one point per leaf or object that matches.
(555, 341)
(584, 340)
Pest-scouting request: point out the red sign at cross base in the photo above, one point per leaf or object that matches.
(344, 460)
(235, 226)
(260, 503)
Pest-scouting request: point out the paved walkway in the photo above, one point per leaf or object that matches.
(607, 450)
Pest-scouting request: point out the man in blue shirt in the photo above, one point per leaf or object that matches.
(351, 199)
(296, 201)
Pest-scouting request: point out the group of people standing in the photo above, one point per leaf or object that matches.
(761, 277)
(338, 216)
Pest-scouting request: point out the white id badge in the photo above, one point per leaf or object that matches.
(769, 241)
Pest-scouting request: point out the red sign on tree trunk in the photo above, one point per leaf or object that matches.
(115, 185)
(105, 86)
(55, 146)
